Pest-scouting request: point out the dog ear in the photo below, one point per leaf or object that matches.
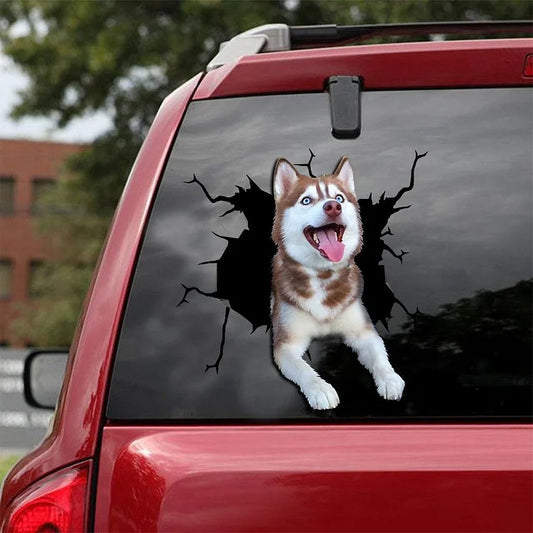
(344, 173)
(285, 176)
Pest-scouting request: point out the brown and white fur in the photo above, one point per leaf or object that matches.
(316, 287)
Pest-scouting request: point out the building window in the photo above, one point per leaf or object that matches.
(40, 188)
(34, 286)
(6, 279)
(7, 195)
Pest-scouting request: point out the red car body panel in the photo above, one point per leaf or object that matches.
(461, 477)
(387, 66)
(78, 419)
(345, 478)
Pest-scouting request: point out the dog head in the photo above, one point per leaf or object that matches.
(317, 220)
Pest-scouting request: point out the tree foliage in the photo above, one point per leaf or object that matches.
(124, 57)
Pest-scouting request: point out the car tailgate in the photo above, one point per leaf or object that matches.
(315, 478)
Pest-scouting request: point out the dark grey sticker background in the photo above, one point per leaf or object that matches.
(468, 229)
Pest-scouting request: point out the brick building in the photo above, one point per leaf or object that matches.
(27, 170)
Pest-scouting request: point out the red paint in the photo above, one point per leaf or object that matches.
(316, 478)
(528, 66)
(496, 63)
(77, 423)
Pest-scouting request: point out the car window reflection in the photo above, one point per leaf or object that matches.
(446, 259)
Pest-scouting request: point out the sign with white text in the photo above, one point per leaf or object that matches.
(21, 427)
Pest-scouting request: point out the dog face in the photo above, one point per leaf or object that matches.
(317, 220)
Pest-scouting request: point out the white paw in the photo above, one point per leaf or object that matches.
(321, 395)
(390, 386)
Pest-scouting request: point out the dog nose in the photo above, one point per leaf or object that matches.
(332, 208)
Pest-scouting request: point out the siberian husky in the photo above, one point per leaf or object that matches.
(316, 285)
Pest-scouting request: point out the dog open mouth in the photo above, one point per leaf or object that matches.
(327, 240)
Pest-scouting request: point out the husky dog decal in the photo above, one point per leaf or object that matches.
(316, 285)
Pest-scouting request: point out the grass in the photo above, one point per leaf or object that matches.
(6, 462)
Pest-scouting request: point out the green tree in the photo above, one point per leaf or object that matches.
(124, 57)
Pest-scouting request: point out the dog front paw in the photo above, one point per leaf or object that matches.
(390, 386)
(321, 395)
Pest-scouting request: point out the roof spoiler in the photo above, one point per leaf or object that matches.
(281, 37)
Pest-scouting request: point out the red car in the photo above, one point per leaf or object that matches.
(173, 416)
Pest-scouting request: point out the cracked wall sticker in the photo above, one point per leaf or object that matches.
(244, 268)
(316, 285)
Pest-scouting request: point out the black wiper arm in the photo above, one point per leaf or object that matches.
(302, 36)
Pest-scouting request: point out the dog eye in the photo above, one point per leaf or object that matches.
(306, 200)
(339, 198)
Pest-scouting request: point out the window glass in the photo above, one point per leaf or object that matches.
(7, 195)
(446, 260)
(6, 279)
(40, 188)
(35, 278)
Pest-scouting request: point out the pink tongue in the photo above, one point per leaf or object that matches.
(329, 246)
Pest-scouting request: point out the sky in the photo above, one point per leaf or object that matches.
(13, 80)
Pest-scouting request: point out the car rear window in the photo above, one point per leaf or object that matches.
(444, 183)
